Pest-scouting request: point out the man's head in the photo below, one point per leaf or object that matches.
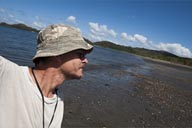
(59, 44)
(59, 39)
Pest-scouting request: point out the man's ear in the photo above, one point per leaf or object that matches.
(56, 61)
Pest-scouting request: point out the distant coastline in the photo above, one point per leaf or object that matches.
(154, 54)
(19, 26)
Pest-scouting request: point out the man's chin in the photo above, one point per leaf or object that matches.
(77, 77)
(72, 77)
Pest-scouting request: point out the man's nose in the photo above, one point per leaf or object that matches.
(85, 60)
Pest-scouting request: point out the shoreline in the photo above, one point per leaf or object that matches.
(166, 63)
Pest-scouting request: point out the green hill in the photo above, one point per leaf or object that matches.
(161, 55)
(19, 26)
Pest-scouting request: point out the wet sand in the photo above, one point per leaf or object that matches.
(161, 98)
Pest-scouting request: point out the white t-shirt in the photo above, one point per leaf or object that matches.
(21, 101)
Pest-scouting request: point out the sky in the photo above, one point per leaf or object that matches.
(153, 24)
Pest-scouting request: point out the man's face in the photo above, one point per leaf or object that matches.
(73, 64)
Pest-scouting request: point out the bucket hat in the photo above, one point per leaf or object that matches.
(58, 39)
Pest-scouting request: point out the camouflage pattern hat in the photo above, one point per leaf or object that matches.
(59, 39)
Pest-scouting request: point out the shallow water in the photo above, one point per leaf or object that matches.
(17, 45)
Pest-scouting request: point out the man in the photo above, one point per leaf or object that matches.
(29, 96)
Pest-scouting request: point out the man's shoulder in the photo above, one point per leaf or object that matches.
(2, 58)
(6, 64)
(5, 60)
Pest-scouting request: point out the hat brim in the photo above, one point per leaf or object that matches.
(47, 52)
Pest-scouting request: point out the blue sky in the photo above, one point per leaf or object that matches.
(153, 24)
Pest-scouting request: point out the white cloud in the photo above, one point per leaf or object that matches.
(19, 21)
(11, 16)
(18, 16)
(176, 49)
(141, 38)
(112, 32)
(136, 38)
(71, 19)
(124, 36)
(95, 38)
(38, 25)
(3, 17)
(99, 32)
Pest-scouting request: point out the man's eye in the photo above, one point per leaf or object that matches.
(81, 55)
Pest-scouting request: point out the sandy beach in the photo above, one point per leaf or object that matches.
(163, 98)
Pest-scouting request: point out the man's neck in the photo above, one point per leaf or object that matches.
(48, 80)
